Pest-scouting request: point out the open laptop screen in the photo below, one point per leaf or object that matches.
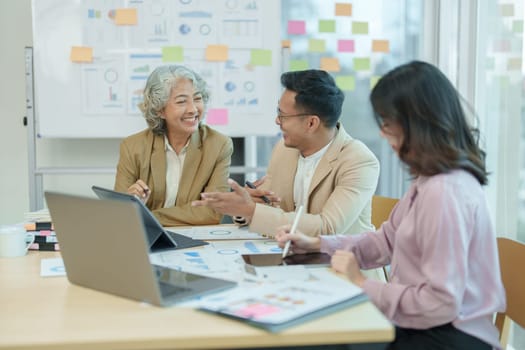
(104, 246)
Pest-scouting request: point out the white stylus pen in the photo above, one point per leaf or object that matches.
(294, 226)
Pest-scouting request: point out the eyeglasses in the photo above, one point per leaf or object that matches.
(281, 116)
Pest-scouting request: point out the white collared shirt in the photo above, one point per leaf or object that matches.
(303, 176)
(174, 164)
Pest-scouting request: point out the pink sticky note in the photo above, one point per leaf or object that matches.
(217, 116)
(296, 27)
(345, 46)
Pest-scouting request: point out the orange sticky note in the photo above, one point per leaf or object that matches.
(81, 54)
(330, 64)
(127, 16)
(217, 53)
(342, 9)
(380, 46)
(514, 63)
(286, 43)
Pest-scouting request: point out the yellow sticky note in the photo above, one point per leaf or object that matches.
(296, 65)
(261, 57)
(330, 64)
(373, 81)
(316, 45)
(326, 26)
(380, 46)
(343, 9)
(359, 27)
(361, 63)
(81, 54)
(217, 53)
(172, 54)
(126, 16)
(345, 82)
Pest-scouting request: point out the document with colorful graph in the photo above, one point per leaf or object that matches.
(275, 307)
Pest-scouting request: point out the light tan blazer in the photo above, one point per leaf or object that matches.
(206, 168)
(339, 197)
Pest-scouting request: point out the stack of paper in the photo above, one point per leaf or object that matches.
(275, 307)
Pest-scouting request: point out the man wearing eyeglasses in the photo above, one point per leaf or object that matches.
(316, 164)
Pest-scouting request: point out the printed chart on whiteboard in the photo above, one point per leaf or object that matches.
(92, 59)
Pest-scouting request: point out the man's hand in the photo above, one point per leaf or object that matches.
(235, 203)
(262, 196)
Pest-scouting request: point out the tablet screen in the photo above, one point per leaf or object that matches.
(294, 259)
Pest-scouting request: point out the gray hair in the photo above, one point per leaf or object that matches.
(158, 90)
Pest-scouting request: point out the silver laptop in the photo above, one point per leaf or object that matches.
(158, 238)
(104, 247)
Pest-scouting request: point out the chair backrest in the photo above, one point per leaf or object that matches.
(512, 260)
(381, 208)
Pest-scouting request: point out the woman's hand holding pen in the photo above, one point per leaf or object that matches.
(343, 261)
(140, 189)
(301, 243)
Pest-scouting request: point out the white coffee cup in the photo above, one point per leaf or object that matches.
(14, 240)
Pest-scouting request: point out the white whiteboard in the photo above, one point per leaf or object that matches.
(99, 99)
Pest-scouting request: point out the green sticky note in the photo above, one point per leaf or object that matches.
(172, 54)
(361, 63)
(359, 27)
(296, 65)
(326, 26)
(504, 82)
(373, 81)
(517, 26)
(261, 57)
(345, 82)
(316, 45)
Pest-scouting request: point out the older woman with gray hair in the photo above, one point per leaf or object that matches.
(177, 157)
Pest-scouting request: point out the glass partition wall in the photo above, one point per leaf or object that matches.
(356, 42)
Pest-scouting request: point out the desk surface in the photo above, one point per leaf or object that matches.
(50, 313)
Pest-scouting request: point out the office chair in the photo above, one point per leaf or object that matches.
(511, 259)
(381, 208)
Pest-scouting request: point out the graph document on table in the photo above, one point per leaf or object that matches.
(277, 306)
(218, 232)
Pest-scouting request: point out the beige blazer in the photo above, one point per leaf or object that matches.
(206, 168)
(339, 197)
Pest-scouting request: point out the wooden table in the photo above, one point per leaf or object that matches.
(50, 313)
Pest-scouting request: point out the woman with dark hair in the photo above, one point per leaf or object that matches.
(177, 157)
(444, 284)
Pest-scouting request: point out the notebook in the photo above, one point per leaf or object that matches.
(159, 239)
(104, 247)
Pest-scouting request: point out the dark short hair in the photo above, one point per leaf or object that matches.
(316, 94)
(419, 97)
